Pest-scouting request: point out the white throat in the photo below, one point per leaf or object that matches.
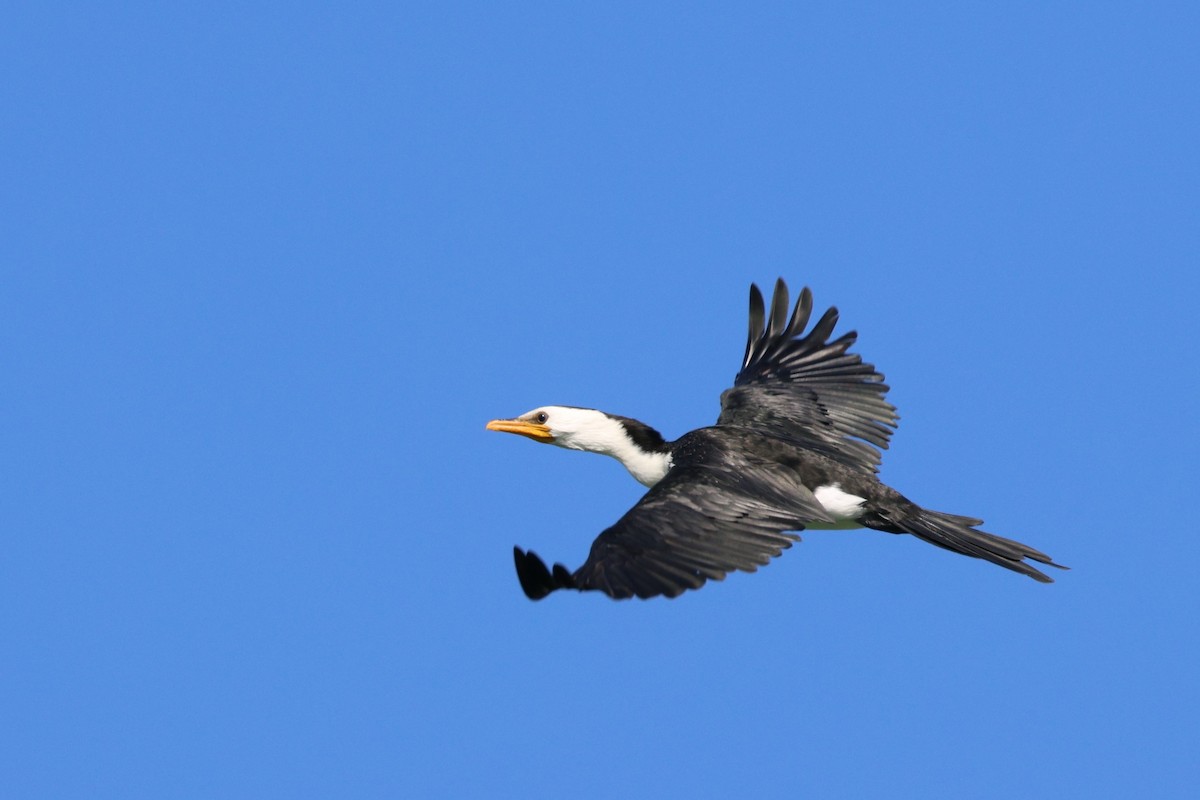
(596, 432)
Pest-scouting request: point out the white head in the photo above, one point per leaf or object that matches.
(640, 448)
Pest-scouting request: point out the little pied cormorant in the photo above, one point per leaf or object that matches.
(797, 445)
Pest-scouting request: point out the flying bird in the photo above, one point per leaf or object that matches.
(797, 445)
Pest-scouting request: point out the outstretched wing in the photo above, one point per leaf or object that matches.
(807, 388)
(712, 514)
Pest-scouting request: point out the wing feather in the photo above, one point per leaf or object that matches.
(699, 523)
(807, 388)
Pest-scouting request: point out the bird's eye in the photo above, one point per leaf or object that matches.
(541, 417)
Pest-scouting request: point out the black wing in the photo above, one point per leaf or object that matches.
(713, 513)
(808, 388)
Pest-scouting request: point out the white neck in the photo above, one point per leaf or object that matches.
(596, 432)
(646, 468)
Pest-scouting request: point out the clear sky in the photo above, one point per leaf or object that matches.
(268, 269)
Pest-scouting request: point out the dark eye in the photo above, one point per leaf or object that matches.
(541, 417)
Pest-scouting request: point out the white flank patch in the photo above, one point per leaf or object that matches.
(844, 507)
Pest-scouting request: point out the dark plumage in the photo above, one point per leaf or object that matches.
(797, 444)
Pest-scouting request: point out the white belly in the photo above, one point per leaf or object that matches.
(845, 508)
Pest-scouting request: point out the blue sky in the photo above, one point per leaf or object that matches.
(269, 268)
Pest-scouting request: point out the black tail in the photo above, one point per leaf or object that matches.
(536, 580)
(959, 535)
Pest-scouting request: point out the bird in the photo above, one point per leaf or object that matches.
(797, 445)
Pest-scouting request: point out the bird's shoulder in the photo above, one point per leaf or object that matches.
(734, 449)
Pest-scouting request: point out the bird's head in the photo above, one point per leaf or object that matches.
(636, 445)
(573, 428)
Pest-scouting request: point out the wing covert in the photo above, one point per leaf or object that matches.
(807, 388)
(700, 522)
